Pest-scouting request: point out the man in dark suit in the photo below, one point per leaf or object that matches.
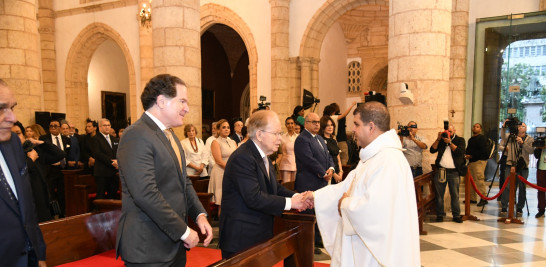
(157, 195)
(314, 164)
(22, 243)
(54, 176)
(73, 156)
(104, 149)
(237, 136)
(251, 194)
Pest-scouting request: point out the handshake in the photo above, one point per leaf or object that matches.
(303, 201)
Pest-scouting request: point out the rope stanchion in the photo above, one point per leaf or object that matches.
(531, 184)
(512, 196)
(480, 193)
(467, 214)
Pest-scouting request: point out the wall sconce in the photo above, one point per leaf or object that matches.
(145, 15)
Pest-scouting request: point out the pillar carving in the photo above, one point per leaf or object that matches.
(20, 56)
(279, 57)
(176, 49)
(49, 62)
(419, 55)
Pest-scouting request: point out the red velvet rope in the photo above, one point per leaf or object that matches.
(481, 195)
(532, 185)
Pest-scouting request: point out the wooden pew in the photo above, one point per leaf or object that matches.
(426, 197)
(81, 236)
(294, 245)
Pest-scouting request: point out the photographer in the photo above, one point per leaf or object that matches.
(414, 146)
(451, 165)
(477, 155)
(517, 147)
(540, 154)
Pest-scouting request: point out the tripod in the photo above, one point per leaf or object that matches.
(510, 142)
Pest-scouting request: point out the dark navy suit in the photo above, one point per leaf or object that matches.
(250, 200)
(19, 231)
(312, 162)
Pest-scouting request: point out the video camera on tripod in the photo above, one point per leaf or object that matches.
(540, 141)
(513, 123)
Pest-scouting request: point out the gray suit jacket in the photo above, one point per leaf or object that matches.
(157, 195)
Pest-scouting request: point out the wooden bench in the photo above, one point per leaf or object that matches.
(426, 197)
(81, 236)
(293, 244)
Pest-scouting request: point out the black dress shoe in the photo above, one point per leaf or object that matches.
(482, 202)
(471, 201)
(318, 251)
(539, 214)
(458, 219)
(439, 218)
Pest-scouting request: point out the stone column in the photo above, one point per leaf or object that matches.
(457, 73)
(306, 75)
(49, 62)
(542, 5)
(279, 57)
(176, 49)
(419, 55)
(146, 62)
(20, 56)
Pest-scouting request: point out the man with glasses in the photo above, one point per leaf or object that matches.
(104, 148)
(251, 192)
(314, 165)
(73, 157)
(54, 176)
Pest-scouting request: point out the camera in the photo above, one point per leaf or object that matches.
(262, 104)
(512, 124)
(446, 133)
(539, 142)
(404, 130)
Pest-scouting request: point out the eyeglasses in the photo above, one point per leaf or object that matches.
(54, 126)
(314, 122)
(277, 134)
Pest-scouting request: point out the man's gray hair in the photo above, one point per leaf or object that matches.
(259, 121)
(103, 119)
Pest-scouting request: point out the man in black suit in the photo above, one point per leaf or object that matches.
(22, 243)
(54, 176)
(237, 136)
(313, 163)
(157, 195)
(252, 195)
(104, 149)
(73, 156)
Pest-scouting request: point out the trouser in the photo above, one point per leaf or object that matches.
(55, 184)
(178, 260)
(416, 171)
(541, 181)
(502, 174)
(477, 170)
(452, 180)
(344, 154)
(520, 186)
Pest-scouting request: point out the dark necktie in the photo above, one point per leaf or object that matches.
(7, 187)
(58, 144)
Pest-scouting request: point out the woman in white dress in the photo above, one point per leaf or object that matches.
(208, 144)
(221, 149)
(195, 152)
(287, 158)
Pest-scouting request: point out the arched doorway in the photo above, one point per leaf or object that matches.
(77, 70)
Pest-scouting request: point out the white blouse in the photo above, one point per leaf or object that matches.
(196, 157)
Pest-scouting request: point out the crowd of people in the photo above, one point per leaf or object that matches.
(242, 161)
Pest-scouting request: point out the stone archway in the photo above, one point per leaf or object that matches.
(213, 14)
(323, 19)
(77, 66)
(378, 81)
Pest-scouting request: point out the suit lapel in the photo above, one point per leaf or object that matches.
(12, 165)
(267, 181)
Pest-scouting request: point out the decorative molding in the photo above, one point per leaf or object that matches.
(94, 8)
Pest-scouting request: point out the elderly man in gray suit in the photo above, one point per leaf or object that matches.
(157, 195)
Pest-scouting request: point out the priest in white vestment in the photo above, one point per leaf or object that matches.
(378, 225)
